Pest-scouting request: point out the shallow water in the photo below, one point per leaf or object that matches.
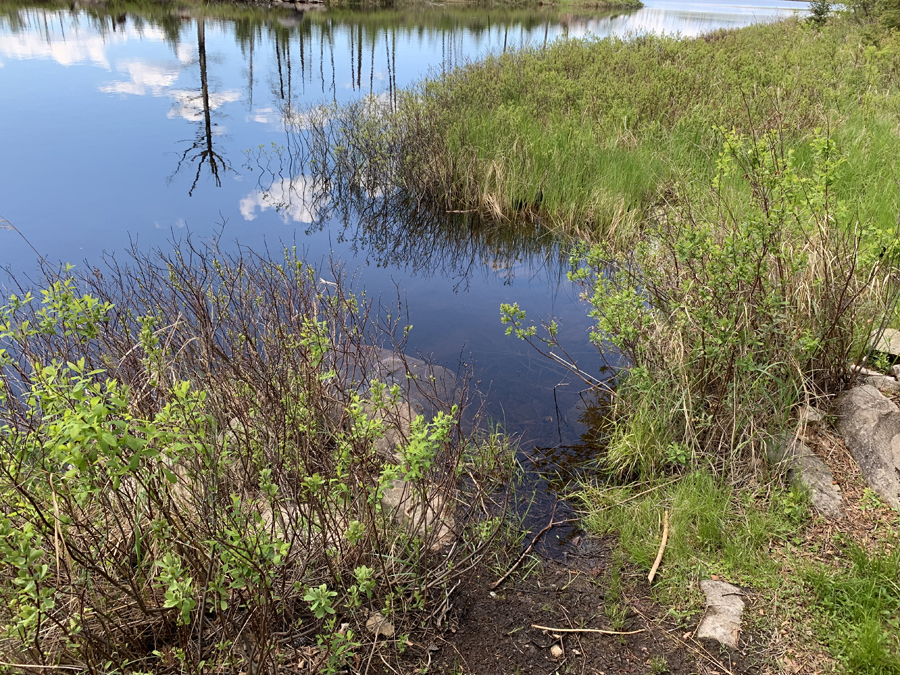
(143, 125)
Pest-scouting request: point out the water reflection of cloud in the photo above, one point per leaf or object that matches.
(145, 78)
(280, 119)
(189, 103)
(70, 40)
(70, 52)
(187, 53)
(292, 198)
(688, 20)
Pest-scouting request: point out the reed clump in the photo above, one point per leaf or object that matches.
(205, 466)
(584, 133)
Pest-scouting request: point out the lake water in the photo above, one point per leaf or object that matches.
(142, 125)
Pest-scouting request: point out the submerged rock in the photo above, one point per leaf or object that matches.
(870, 425)
(379, 626)
(722, 619)
(428, 515)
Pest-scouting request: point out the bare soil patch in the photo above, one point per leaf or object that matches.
(493, 632)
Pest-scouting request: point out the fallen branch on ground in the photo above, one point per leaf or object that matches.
(550, 525)
(589, 630)
(662, 547)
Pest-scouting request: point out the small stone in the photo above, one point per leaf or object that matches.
(895, 371)
(810, 415)
(556, 651)
(861, 372)
(814, 474)
(722, 620)
(805, 468)
(378, 625)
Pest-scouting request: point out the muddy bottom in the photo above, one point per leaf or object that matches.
(493, 632)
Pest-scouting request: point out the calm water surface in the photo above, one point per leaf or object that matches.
(136, 127)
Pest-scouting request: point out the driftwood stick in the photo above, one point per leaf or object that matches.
(588, 630)
(662, 547)
(551, 524)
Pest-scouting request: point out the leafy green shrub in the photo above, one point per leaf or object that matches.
(732, 306)
(735, 305)
(191, 474)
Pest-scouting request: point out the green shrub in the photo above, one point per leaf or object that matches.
(731, 306)
(736, 305)
(190, 472)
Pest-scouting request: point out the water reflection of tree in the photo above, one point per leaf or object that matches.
(303, 180)
(202, 150)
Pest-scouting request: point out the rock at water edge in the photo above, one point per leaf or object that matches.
(722, 620)
(870, 426)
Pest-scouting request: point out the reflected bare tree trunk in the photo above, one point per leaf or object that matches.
(202, 147)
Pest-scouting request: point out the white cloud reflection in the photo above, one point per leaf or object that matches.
(293, 199)
(146, 78)
(278, 119)
(189, 102)
(69, 40)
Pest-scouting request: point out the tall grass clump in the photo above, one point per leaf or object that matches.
(583, 134)
(208, 462)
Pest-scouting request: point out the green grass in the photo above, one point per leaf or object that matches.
(622, 117)
(848, 607)
(860, 609)
(712, 528)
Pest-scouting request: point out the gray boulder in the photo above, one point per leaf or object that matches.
(870, 425)
(882, 382)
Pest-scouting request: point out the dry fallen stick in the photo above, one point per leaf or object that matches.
(588, 630)
(662, 547)
(552, 523)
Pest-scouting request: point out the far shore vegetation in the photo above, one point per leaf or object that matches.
(237, 9)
